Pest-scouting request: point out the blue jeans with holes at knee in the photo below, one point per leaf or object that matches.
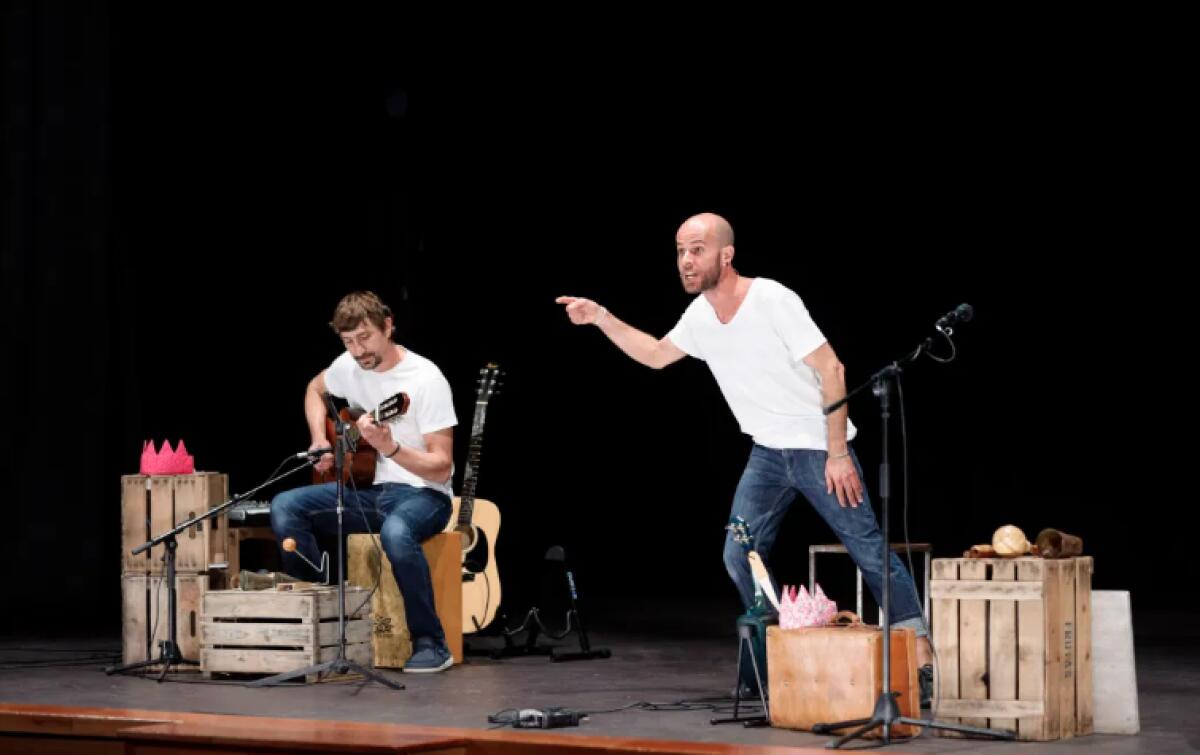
(403, 515)
(768, 486)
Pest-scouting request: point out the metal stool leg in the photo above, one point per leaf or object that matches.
(812, 570)
(927, 589)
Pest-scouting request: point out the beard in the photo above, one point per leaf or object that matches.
(706, 280)
(368, 361)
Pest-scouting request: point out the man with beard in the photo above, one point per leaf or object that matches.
(776, 371)
(409, 501)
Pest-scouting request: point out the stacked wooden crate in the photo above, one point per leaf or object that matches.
(150, 506)
(273, 631)
(1013, 638)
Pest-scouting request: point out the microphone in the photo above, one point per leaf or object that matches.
(316, 453)
(961, 313)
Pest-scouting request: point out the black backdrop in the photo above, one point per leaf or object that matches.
(187, 195)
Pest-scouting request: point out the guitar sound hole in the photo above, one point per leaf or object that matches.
(476, 558)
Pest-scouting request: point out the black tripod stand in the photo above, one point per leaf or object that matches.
(887, 713)
(341, 664)
(169, 652)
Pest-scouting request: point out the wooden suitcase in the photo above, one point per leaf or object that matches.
(829, 674)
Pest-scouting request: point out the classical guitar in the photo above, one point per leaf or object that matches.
(359, 465)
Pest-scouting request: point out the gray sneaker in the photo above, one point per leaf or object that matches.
(429, 657)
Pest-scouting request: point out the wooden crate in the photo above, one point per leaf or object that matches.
(831, 674)
(393, 644)
(1013, 638)
(269, 632)
(144, 602)
(152, 505)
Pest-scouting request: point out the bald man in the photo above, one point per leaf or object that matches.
(776, 371)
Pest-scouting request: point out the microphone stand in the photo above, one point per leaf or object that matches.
(887, 713)
(341, 664)
(169, 652)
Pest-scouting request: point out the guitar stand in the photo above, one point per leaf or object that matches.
(534, 626)
(764, 718)
(530, 646)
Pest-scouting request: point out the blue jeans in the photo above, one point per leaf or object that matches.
(403, 515)
(768, 486)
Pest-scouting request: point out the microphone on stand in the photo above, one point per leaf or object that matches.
(962, 313)
(316, 453)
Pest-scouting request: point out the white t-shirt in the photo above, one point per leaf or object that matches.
(431, 406)
(757, 359)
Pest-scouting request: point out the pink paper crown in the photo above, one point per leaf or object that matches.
(799, 609)
(166, 461)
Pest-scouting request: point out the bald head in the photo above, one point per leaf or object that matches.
(704, 252)
(714, 228)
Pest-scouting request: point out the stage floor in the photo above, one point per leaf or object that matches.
(643, 668)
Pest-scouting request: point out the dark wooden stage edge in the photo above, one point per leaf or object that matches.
(61, 729)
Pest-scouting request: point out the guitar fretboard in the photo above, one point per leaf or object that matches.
(470, 478)
(487, 387)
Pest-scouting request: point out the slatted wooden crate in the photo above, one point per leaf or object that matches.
(269, 632)
(393, 644)
(152, 505)
(1013, 638)
(144, 603)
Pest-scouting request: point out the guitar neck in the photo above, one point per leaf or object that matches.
(487, 387)
(470, 479)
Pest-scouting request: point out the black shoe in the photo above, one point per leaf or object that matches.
(925, 677)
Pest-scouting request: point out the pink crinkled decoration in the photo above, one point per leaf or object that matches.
(798, 608)
(166, 460)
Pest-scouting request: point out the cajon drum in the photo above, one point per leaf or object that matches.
(393, 644)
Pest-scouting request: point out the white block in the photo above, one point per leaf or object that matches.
(1113, 673)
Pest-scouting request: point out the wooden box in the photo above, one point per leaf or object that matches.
(269, 632)
(144, 602)
(830, 674)
(1013, 638)
(152, 505)
(393, 645)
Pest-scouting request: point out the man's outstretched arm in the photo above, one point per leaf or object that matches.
(639, 346)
